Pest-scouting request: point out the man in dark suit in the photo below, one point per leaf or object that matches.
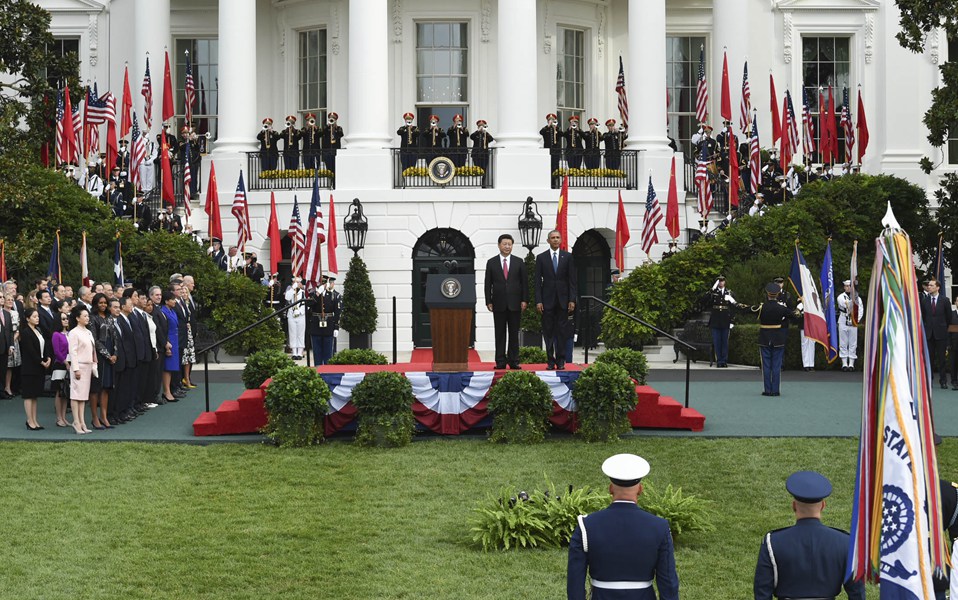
(936, 317)
(143, 349)
(556, 294)
(47, 318)
(6, 346)
(507, 288)
(125, 366)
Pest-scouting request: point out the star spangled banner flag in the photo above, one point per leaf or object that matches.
(703, 186)
(187, 180)
(138, 153)
(298, 237)
(118, 262)
(240, 210)
(848, 126)
(315, 236)
(827, 277)
(808, 126)
(653, 216)
(623, 98)
(190, 93)
(744, 119)
(807, 293)
(702, 91)
(754, 157)
(146, 90)
(897, 535)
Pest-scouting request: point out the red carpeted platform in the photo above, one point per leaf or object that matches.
(663, 412)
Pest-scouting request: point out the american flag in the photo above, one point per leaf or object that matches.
(298, 237)
(623, 99)
(743, 120)
(138, 154)
(146, 90)
(77, 133)
(102, 109)
(653, 216)
(808, 126)
(315, 236)
(240, 210)
(702, 184)
(792, 124)
(190, 89)
(187, 179)
(702, 94)
(755, 157)
(848, 126)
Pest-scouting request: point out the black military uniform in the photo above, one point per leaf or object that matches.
(312, 142)
(727, 144)
(324, 307)
(552, 139)
(408, 142)
(949, 516)
(253, 269)
(268, 150)
(458, 137)
(614, 143)
(123, 156)
(773, 317)
(705, 145)
(808, 559)
(189, 141)
(218, 254)
(480, 145)
(574, 143)
(591, 140)
(332, 140)
(291, 137)
(172, 144)
(431, 139)
(720, 320)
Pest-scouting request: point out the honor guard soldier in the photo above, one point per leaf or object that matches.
(94, 183)
(705, 145)
(552, 139)
(431, 139)
(123, 156)
(773, 317)
(727, 145)
(574, 143)
(274, 295)
(623, 548)
(949, 515)
(408, 142)
(458, 136)
(720, 319)
(591, 140)
(253, 269)
(614, 141)
(217, 253)
(325, 307)
(296, 319)
(332, 140)
(312, 142)
(481, 138)
(291, 137)
(189, 150)
(268, 152)
(807, 560)
(172, 145)
(849, 311)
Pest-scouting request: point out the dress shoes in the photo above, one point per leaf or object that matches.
(5, 395)
(550, 366)
(944, 385)
(775, 394)
(500, 366)
(560, 366)
(766, 393)
(954, 386)
(173, 399)
(179, 394)
(515, 366)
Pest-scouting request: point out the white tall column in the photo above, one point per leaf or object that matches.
(368, 62)
(730, 28)
(646, 86)
(151, 34)
(236, 113)
(517, 65)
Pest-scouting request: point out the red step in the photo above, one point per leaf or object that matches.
(246, 414)
(662, 412)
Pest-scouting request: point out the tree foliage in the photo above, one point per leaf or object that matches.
(359, 302)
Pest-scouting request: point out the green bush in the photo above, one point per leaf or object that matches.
(358, 356)
(743, 349)
(296, 403)
(632, 361)
(383, 401)
(532, 355)
(604, 395)
(545, 520)
(359, 303)
(521, 405)
(531, 320)
(685, 513)
(262, 365)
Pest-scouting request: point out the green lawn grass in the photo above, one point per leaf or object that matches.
(245, 521)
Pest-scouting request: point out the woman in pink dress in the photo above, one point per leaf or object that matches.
(82, 365)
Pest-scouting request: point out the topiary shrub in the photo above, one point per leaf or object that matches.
(685, 513)
(520, 404)
(632, 361)
(359, 302)
(296, 404)
(532, 355)
(262, 365)
(358, 356)
(604, 396)
(384, 403)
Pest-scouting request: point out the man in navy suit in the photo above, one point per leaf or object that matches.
(507, 288)
(808, 559)
(936, 317)
(556, 294)
(622, 547)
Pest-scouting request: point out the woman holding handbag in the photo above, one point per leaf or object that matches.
(82, 366)
(37, 356)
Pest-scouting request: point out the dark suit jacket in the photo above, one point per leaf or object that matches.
(126, 356)
(47, 321)
(555, 288)
(505, 294)
(162, 330)
(182, 319)
(6, 333)
(30, 351)
(936, 322)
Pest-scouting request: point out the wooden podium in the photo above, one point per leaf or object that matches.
(452, 303)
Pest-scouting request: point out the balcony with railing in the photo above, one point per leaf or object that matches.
(154, 197)
(443, 168)
(281, 172)
(597, 169)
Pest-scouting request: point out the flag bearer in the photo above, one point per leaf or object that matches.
(847, 332)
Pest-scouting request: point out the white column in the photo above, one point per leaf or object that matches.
(368, 62)
(238, 123)
(151, 34)
(730, 28)
(517, 66)
(646, 86)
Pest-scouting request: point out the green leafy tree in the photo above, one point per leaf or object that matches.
(359, 303)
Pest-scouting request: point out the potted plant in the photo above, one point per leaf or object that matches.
(262, 365)
(296, 404)
(383, 402)
(530, 323)
(632, 361)
(520, 404)
(604, 396)
(358, 356)
(359, 305)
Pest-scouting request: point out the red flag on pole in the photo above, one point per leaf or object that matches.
(84, 269)
(734, 181)
(726, 92)
(126, 121)
(168, 110)
(832, 129)
(275, 249)
(823, 136)
(3, 260)
(332, 239)
(776, 118)
(214, 226)
(785, 144)
(862, 126)
(562, 214)
(166, 174)
(672, 210)
(622, 235)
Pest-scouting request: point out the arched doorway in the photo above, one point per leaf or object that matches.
(592, 259)
(435, 252)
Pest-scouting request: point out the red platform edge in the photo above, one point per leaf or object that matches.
(247, 414)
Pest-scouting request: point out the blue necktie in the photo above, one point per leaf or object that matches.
(555, 262)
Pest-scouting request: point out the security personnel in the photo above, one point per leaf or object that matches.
(720, 320)
(552, 140)
(614, 143)
(408, 142)
(847, 332)
(312, 142)
(173, 146)
(325, 307)
(481, 138)
(727, 145)
(808, 559)
(217, 253)
(574, 143)
(268, 152)
(291, 137)
(591, 140)
(458, 141)
(705, 146)
(773, 317)
(332, 140)
(622, 547)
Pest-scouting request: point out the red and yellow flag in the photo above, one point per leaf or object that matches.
(562, 214)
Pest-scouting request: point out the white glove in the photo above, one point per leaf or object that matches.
(336, 333)
(800, 306)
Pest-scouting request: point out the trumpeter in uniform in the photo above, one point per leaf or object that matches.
(773, 317)
(622, 547)
(431, 139)
(268, 152)
(408, 142)
(591, 140)
(312, 142)
(552, 139)
(481, 138)
(458, 136)
(614, 143)
(574, 143)
(847, 330)
(720, 319)
(808, 559)
(291, 137)
(332, 140)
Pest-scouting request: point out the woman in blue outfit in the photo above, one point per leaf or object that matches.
(171, 363)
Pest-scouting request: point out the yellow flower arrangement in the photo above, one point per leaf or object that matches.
(589, 173)
(295, 174)
(416, 172)
(470, 171)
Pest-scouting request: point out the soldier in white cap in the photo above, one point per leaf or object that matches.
(847, 330)
(622, 547)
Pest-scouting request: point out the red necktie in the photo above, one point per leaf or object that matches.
(505, 268)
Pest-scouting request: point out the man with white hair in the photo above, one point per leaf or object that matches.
(847, 330)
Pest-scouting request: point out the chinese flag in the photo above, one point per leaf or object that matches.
(726, 94)
(332, 239)
(168, 111)
(166, 174)
(621, 235)
(733, 183)
(862, 127)
(562, 214)
(672, 210)
(776, 119)
(126, 122)
(275, 249)
(215, 227)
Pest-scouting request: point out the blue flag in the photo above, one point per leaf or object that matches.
(828, 291)
(53, 271)
(939, 266)
(118, 262)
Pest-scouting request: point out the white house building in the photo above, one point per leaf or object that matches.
(509, 62)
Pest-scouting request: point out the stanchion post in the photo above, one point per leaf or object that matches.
(395, 334)
(206, 377)
(588, 327)
(688, 372)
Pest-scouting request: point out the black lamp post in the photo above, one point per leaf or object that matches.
(356, 225)
(530, 224)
